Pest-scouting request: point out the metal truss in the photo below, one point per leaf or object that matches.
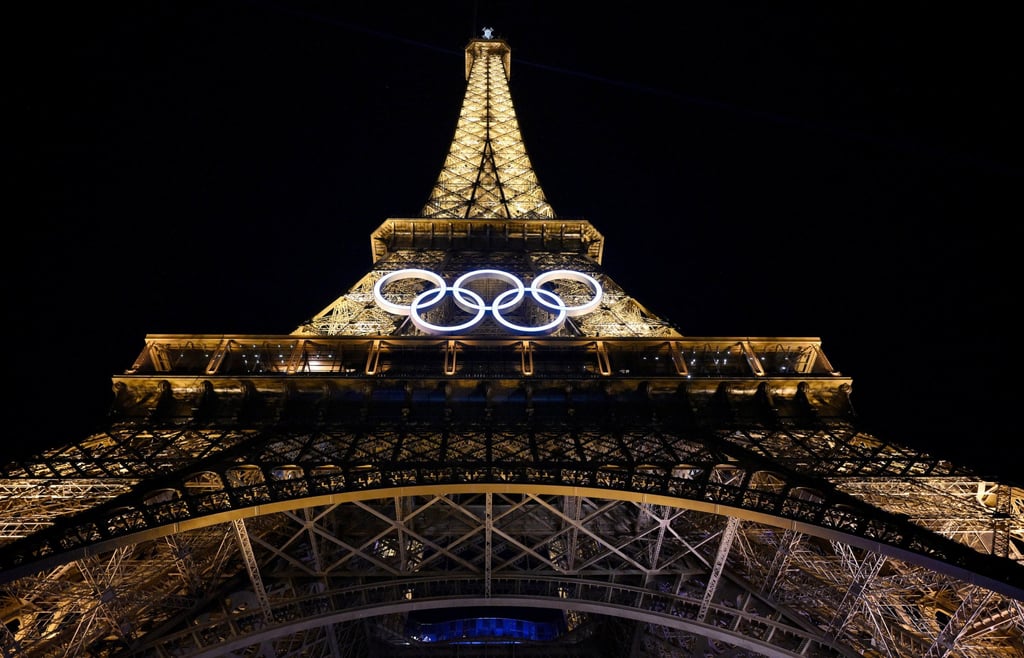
(332, 491)
(487, 172)
(355, 313)
(240, 549)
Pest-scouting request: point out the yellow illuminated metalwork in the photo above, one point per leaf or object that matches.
(487, 173)
(299, 494)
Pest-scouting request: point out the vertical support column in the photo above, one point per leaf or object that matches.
(324, 585)
(245, 546)
(604, 364)
(527, 358)
(655, 551)
(573, 509)
(488, 533)
(403, 557)
(724, 546)
(373, 358)
(787, 543)
(1001, 522)
(451, 350)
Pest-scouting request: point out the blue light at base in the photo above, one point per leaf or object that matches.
(483, 630)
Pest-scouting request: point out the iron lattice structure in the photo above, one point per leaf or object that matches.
(367, 487)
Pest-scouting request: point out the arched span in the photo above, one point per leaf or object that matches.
(945, 556)
(217, 636)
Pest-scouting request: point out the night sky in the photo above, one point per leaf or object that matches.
(847, 172)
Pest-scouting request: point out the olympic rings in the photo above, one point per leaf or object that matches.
(471, 302)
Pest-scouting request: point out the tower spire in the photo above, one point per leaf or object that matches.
(487, 173)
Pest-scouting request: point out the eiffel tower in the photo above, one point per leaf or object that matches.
(486, 447)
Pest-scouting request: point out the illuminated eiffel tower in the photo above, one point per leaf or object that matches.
(485, 447)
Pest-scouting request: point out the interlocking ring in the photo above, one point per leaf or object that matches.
(473, 303)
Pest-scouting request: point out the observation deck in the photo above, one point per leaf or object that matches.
(751, 376)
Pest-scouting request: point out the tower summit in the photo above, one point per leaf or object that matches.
(487, 447)
(487, 173)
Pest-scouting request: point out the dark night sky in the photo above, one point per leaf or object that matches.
(851, 172)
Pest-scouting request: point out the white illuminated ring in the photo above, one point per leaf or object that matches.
(518, 291)
(398, 275)
(537, 294)
(572, 311)
(471, 302)
(423, 325)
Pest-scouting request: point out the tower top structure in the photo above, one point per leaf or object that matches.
(487, 173)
